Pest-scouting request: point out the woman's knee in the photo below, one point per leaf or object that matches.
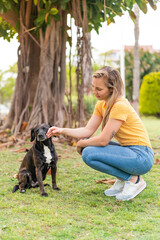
(87, 154)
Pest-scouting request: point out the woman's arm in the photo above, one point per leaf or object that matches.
(83, 132)
(104, 138)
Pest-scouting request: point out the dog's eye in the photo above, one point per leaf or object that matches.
(44, 129)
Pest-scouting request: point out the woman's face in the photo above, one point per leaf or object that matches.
(99, 89)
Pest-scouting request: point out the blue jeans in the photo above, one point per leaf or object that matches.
(119, 161)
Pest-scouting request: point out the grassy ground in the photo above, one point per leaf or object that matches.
(80, 210)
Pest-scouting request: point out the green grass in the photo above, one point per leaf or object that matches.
(80, 210)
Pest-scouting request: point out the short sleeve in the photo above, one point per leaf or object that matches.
(119, 111)
(98, 109)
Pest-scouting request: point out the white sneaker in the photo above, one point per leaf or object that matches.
(115, 189)
(131, 190)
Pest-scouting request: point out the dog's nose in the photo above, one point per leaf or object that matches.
(40, 135)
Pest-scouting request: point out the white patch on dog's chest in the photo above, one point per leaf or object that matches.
(47, 154)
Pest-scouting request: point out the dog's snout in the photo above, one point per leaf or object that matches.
(41, 135)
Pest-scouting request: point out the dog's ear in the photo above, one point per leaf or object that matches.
(32, 134)
(50, 125)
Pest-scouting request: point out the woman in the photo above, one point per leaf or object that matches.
(128, 159)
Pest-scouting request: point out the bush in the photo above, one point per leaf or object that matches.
(149, 101)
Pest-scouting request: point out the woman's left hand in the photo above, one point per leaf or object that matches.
(80, 146)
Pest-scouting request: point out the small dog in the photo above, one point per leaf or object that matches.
(37, 162)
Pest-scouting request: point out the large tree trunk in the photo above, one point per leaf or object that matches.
(136, 71)
(48, 103)
(28, 71)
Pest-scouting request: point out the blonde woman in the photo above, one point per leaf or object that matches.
(128, 158)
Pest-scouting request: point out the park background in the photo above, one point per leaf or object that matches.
(80, 210)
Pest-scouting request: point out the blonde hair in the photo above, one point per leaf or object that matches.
(114, 83)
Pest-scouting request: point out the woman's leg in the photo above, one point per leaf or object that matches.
(118, 161)
(123, 163)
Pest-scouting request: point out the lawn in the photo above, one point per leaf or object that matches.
(80, 210)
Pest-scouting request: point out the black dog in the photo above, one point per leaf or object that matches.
(37, 162)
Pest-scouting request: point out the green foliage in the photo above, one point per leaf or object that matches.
(150, 94)
(7, 84)
(95, 12)
(149, 62)
(7, 5)
(142, 5)
(6, 30)
(46, 12)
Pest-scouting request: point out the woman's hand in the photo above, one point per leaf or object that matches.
(54, 131)
(80, 145)
(79, 150)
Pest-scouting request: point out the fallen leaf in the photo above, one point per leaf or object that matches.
(24, 125)
(157, 161)
(106, 181)
(15, 175)
(12, 138)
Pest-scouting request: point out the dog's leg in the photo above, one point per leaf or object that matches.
(15, 188)
(40, 182)
(53, 173)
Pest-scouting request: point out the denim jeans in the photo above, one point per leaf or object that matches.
(119, 161)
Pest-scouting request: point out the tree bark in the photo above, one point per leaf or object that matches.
(136, 70)
(48, 103)
(86, 63)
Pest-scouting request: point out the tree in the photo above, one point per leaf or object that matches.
(42, 32)
(136, 70)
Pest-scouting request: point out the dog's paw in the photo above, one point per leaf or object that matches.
(44, 194)
(56, 188)
(15, 188)
(22, 191)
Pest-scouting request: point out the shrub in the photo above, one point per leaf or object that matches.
(149, 101)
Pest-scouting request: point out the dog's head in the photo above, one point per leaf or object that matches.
(24, 179)
(40, 132)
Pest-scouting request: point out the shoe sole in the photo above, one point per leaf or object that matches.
(138, 192)
(111, 195)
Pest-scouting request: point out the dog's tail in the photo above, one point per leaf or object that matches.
(15, 188)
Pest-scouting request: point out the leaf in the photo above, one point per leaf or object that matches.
(152, 4)
(142, 5)
(53, 11)
(132, 15)
(157, 161)
(106, 181)
(35, 2)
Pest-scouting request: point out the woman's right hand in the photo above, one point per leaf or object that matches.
(54, 131)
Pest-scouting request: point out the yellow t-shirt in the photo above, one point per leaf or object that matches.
(132, 130)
